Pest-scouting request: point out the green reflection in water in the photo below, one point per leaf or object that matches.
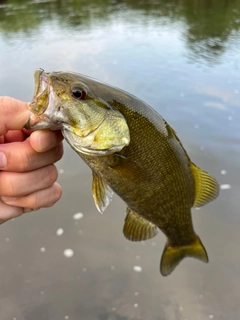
(210, 26)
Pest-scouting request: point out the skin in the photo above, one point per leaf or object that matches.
(27, 172)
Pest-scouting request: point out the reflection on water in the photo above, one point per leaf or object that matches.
(182, 57)
(210, 27)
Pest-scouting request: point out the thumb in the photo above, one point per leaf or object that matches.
(14, 114)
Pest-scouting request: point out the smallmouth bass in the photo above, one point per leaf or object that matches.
(133, 152)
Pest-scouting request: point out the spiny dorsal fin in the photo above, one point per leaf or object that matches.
(207, 188)
(137, 228)
(172, 255)
(102, 193)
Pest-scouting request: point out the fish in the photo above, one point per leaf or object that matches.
(133, 152)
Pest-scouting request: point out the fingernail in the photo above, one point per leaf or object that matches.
(8, 199)
(3, 160)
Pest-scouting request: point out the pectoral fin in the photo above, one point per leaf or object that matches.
(137, 228)
(173, 255)
(207, 188)
(102, 193)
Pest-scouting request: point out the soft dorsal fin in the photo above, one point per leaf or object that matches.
(102, 193)
(207, 188)
(137, 228)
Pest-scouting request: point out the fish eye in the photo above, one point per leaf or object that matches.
(78, 93)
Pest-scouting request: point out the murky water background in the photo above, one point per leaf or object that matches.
(181, 57)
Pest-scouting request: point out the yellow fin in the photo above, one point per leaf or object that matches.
(172, 256)
(102, 193)
(137, 228)
(207, 188)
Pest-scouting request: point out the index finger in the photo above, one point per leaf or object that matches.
(14, 114)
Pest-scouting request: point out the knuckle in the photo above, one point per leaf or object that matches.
(8, 186)
(58, 151)
(58, 191)
(51, 174)
(54, 195)
(34, 203)
(24, 161)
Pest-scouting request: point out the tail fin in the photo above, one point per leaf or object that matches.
(172, 256)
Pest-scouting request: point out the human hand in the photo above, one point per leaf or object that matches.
(27, 172)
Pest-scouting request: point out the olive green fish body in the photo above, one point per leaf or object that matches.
(146, 169)
(131, 151)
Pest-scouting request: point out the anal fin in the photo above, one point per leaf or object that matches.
(207, 188)
(137, 228)
(102, 193)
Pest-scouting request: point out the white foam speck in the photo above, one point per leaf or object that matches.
(78, 216)
(84, 269)
(223, 172)
(211, 316)
(137, 268)
(180, 308)
(136, 294)
(225, 186)
(66, 317)
(7, 239)
(68, 253)
(42, 293)
(61, 171)
(59, 232)
(230, 118)
(42, 249)
(135, 305)
(14, 319)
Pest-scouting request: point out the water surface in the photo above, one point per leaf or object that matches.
(182, 58)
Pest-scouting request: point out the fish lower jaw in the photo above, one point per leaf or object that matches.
(41, 122)
(98, 152)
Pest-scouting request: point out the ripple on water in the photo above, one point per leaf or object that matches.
(78, 216)
(225, 186)
(59, 232)
(137, 268)
(68, 253)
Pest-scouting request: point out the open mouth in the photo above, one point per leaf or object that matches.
(42, 106)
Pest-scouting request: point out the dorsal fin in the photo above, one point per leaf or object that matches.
(137, 228)
(207, 188)
(102, 193)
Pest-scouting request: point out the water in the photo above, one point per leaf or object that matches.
(181, 57)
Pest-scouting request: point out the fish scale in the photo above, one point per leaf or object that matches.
(131, 150)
